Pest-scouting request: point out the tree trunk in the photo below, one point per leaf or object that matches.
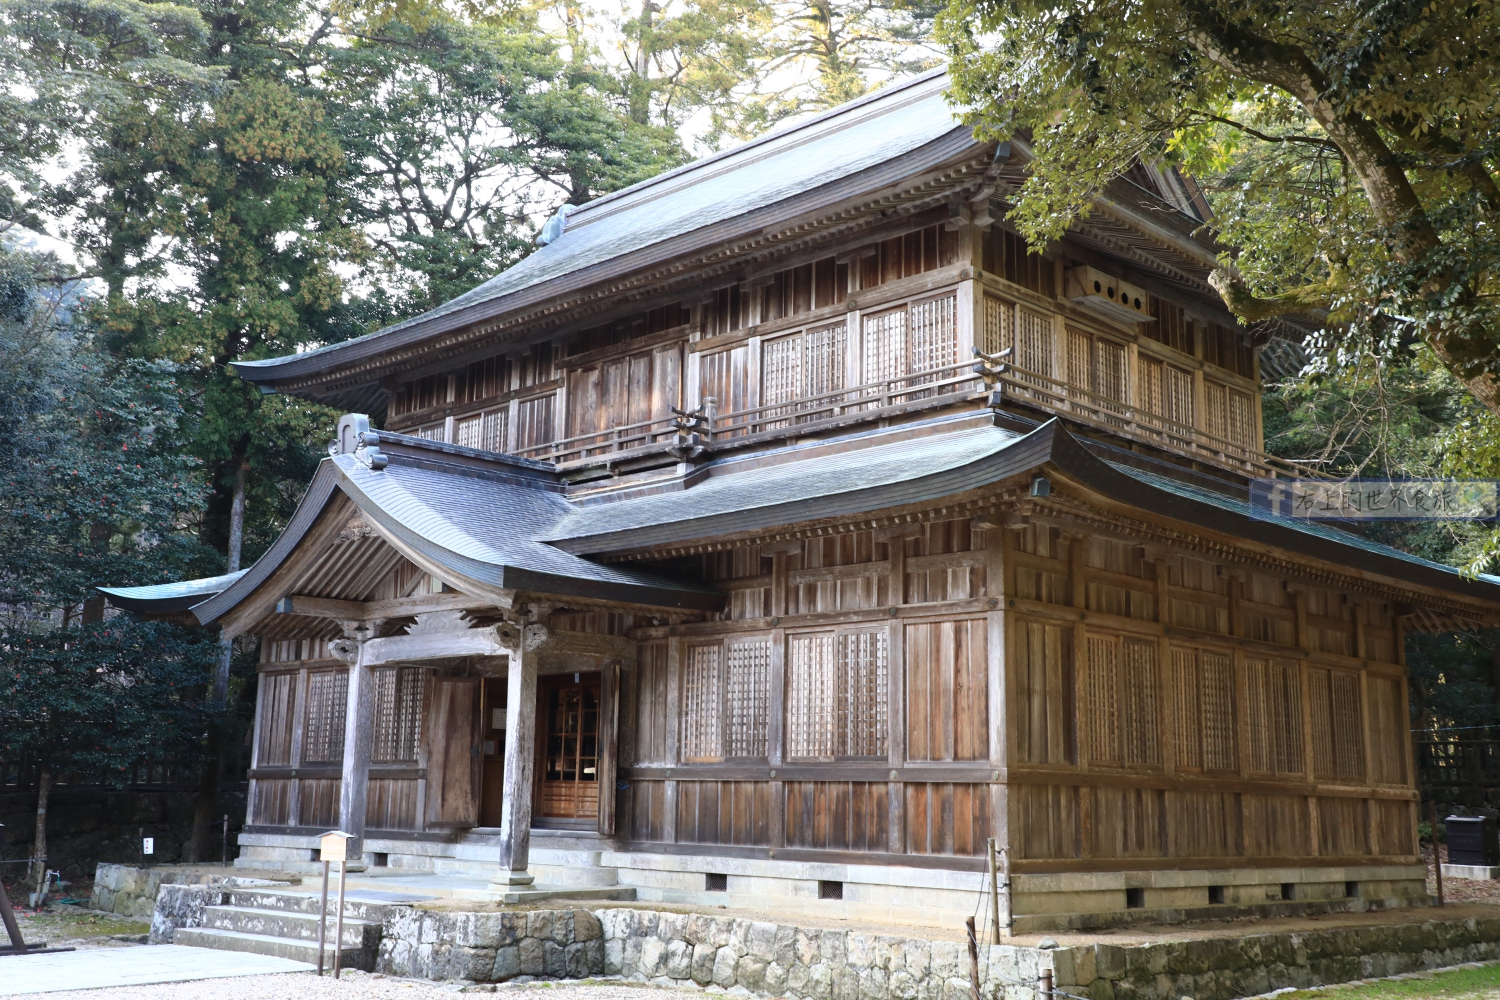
(196, 849)
(220, 691)
(39, 845)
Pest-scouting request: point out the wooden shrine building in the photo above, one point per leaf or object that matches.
(691, 554)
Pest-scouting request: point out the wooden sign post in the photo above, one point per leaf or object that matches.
(333, 846)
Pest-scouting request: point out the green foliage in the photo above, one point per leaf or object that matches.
(1349, 151)
(95, 486)
(94, 701)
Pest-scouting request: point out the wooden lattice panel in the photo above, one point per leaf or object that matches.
(1104, 699)
(1274, 709)
(703, 704)
(1216, 407)
(1337, 725)
(864, 680)
(999, 327)
(1140, 738)
(1034, 342)
(748, 690)
(885, 346)
(824, 352)
(1177, 396)
(933, 334)
(1109, 370)
(1205, 710)
(398, 715)
(327, 698)
(781, 370)
(1148, 385)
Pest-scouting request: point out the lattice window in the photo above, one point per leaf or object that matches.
(812, 725)
(1148, 393)
(1177, 396)
(749, 684)
(885, 346)
(781, 370)
(863, 731)
(703, 704)
(436, 432)
(999, 326)
(934, 334)
(398, 715)
(1218, 713)
(1274, 713)
(327, 699)
(1109, 370)
(837, 697)
(468, 431)
(495, 430)
(1337, 730)
(534, 422)
(1216, 403)
(1104, 699)
(824, 352)
(1205, 707)
(1139, 732)
(1241, 419)
(1189, 713)
(1080, 361)
(1033, 342)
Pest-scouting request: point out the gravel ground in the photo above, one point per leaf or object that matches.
(1460, 890)
(361, 986)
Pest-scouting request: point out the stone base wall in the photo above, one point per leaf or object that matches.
(491, 947)
(131, 891)
(777, 959)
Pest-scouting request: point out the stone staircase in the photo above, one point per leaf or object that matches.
(284, 923)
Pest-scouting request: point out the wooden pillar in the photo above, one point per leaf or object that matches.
(520, 763)
(359, 725)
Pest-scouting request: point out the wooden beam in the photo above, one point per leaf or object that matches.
(401, 607)
(433, 646)
(520, 762)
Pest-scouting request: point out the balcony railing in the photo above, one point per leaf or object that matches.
(949, 385)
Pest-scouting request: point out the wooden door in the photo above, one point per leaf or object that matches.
(568, 738)
(492, 730)
(453, 753)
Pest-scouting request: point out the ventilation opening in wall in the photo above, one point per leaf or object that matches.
(1351, 889)
(382, 859)
(830, 890)
(1215, 895)
(1135, 899)
(1289, 890)
(716, 883)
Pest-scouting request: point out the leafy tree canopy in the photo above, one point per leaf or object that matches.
(1350, 149)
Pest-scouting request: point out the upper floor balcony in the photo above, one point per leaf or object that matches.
(1146, 376)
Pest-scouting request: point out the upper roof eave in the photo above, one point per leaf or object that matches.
(168, 598)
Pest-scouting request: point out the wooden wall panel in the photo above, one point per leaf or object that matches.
(1275, 826)
(651, 704)
(1393, 826)
(392, 804)
(271, 802)
(1044, 821)
(1388, 720)
(318, 802)
(1343, 827)
(724, 812)
(1041, 663)
(1127, 822)
(1203, 824)
(947, 818)
(648, 810)
(947, 692)
(278, 703)
(837, 815)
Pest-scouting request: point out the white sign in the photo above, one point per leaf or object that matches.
(497, 718)
(148, 845)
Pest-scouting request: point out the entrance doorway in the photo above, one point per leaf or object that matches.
(568, 737)
(492, 727)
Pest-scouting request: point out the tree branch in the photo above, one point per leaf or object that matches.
(1264, 137)
(1252, 308)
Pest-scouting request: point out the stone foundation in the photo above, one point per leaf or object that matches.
(132, 891)
(492, 947)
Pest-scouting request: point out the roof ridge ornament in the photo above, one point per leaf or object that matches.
(554, 226)
(354, 437)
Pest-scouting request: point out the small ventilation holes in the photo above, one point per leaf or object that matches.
(1351, 889)
(1135, 899)
(830, 890)
(382, 859)
(714, 882)
(1215, 895)
(1289, 890)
